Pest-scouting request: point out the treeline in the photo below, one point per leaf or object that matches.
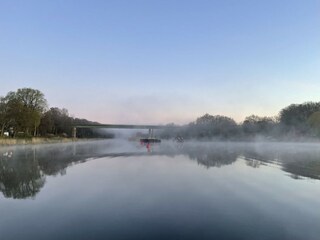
(57, 122)
(25, 113)
(297, 122)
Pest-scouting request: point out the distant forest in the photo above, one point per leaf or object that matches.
(25, 113)
(296, 122)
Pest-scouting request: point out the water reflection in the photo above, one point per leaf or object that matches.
(23, 170)
(299, 160)
(215, 155)
(20, 174)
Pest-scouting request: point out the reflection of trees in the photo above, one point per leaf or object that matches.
(258, 154)
(20, 175)
(214, 156)
(53, 161)
(306, 164)
(23, 170)
(299, 161)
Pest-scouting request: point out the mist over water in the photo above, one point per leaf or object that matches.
(118, 189)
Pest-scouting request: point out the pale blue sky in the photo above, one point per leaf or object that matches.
(162, 61)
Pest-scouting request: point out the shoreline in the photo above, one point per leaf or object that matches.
(40, 140)
(55, 140)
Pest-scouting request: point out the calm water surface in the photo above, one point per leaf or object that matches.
(119, 190)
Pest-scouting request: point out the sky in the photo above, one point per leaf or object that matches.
(164, 61)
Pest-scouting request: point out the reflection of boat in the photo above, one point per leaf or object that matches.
(150, 140)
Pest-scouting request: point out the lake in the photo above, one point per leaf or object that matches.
(121, 190)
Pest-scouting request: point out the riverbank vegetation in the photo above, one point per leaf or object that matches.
(25, 113)
(296, 122)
